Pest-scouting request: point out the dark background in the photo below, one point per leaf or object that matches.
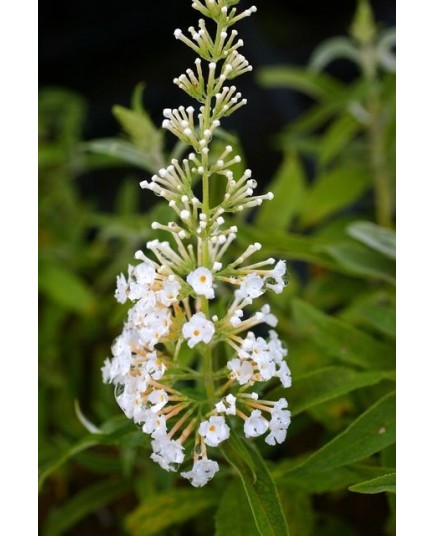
(102, 50)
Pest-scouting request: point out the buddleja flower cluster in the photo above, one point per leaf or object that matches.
(187, 304)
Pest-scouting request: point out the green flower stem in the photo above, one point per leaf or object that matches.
(208, 375)
(382, 176)
(375, 133)
(208, 369)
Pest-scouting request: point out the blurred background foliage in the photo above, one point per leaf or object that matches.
(332, 219)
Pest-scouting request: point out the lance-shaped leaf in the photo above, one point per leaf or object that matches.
(317, 85)
(234, 516)
(82, 504)
(259, 486)
(325, 384)
(335, 479)
(122, 150)
(341, 340)
(289, 188)
(159, 512)
(123, 431)
(374, 236)
(360, 260)
(333, 49)
(371, 432)
(376, 485)
(333, 191)
(376, 311)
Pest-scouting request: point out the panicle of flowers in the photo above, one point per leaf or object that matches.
(173, 295)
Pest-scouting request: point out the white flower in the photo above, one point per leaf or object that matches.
(121, 350)
(258, 348)
(137, 291)
(154, 366)
(130, 399)
(153, 424)
(158, 399)
(203, 471)
(121, 289)
(167, 453)
(277, 434)
(140, 279)
(201, 280)
(280, 420)
(277, 350)
(266, 367)
(268, 318)
(107, 371)
(169, 292)
(152, 325)
(251, 287)
(144, 273)
(115, 370)
(255, 425)
(235, 319)
(284, 375)
(240, 370)
(227, 405)
(277, 274)
(198, 329)
(215, 430)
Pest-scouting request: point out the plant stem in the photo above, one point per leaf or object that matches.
(375, 132)
(382, 176)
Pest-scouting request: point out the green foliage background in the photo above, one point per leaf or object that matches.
(332, 219)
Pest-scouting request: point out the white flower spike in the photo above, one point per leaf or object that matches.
(187, 297)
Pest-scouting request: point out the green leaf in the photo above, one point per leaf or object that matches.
(371, 432)
(288, 188)
(376, 237)
(333, 49)
(362, 260)
(376, 485)
(385, 45)
(90, 427)
(234, 516)
(287, 245)
(388, 457)
(329, 291)
(166, 509)
(334, 140)
(122, 150)
(316, 85)
(332, 192)
(319, 114)
(374, 311)
(334, 479)
(128, 198)
(137, 97)
(313, 118)
(142, 132)
(82, 504)
(299, 512)
(341, 340)
(85, 443)
(304, 145)
(258, 485)
(326, 384)
(113, 434)
(66, 288)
